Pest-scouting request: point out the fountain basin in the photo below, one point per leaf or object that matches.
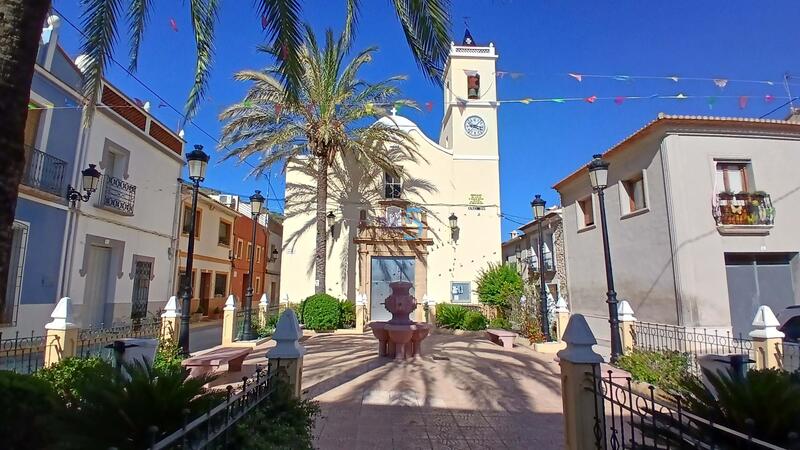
(400, 337)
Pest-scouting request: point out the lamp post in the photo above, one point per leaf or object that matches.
(197, 160)
(248, 334)
(598, 176)
(331, 219)
(90, 178)
(538, 213)
(453, 219)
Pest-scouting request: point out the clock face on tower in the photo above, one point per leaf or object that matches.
(475, 127)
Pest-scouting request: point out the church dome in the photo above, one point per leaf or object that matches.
(398, 121)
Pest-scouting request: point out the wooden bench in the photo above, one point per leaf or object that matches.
(202, 364)
(503, 337)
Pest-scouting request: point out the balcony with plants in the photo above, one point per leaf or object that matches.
(743, 213)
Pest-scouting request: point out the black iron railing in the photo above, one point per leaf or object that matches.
(44, 172)
(629, 416)
(23, 353)
(93, 341)
(118, 195)
(214, 428)
(694, 342)
(743, 208)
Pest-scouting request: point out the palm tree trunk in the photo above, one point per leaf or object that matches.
(320, 258)
(20, 29)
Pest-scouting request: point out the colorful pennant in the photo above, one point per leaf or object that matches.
(577, 76)
(173, 24)
(429, 106)
(619, 100)
(743, 102)
(721, 82)
(591, 99)
(768, 98)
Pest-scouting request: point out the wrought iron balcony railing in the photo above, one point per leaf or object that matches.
(44, 172)
(744, 208)
(548, 264)
(117, 195)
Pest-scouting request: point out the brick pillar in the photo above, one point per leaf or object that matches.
(286, 358)
(229, 321)
(61, 340)
(171, 321)
(578, 361)
(562, 317)
(767, 340)
(263, 310)
(626, 326)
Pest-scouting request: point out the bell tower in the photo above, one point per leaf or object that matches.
(469, 126)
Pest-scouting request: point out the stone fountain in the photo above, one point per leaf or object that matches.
(400, 337)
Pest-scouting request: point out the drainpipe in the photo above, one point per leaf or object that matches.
(174, 246)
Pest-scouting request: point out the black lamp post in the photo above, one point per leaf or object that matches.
(598, 175)
(197, 160)
(248, 334)
(90, 179)
(538, 213)
(453, 219)
(331, 219)
(274, 256)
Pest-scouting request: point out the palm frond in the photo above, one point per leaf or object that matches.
(426, 25)
(204, 18)
(350, 24)
(282, 19)
(138, 16)
(99, 20)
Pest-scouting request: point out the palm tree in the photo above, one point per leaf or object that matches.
(426, 26)
(329, 117)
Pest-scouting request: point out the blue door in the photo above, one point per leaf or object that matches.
(387, 269)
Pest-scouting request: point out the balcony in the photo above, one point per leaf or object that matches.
(396, 223)
(749, 213)
(44, 172)
(117, 195)
(548, 265)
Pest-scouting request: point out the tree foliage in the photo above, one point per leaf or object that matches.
(498, 284)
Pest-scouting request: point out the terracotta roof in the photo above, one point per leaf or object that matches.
(669, 119)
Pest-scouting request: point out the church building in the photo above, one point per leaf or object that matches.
(436, 225)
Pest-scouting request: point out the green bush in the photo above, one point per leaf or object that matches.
(474, 321)
(500, 323)
(28, 407)
(321, 312)
(497, 284)
(347, 314)
(168, 357)
(268, 328)
(450, 316)
(664, 369)
(69, 377)
(281, 422)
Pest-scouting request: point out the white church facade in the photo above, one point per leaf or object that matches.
(437, 225)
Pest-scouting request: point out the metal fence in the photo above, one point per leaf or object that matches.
(44, 172)
(694, 342)
(93, 341)
(24, 353)
(628, 416)
(789, 356)
(213, 429)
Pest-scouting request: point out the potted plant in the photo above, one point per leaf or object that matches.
(742, 195)
(758, 195)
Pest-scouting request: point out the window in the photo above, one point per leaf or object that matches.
(733, 177)
(273, 253)
(273, 293)
(392, 186)
(633, 194)
(460, 292)
(249, 248)
(19, 246)
(473, 84)
(32, 125)
(239, 244)
(187, 221)
(258, 285)
(224, 233)
(258, 253)
(585, 212)
(220, 284)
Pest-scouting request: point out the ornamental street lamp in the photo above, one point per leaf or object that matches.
(453, 219)
(274, 256)
(598, 176)
(538, 214)
(248, 333)
(90, 178)
(331, 218)
(197, 160)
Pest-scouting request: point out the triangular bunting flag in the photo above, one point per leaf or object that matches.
(591, 99)
(681, 96)
(768, 98)
(711, 101)
(515, 75)
(369, 108)
(162, 105)
(247, 103)
(743, 102)
(577, 76)
(429, 106)
(622, 77)
(674, 78)
(558, 100)
(138, 102)
(500, 73)
(173, 25)
(619, 100)
(721, 82)
(526, 100)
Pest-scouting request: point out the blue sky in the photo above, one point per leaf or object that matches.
(540, 143)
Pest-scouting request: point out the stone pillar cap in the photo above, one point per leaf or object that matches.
(579, 339)
(263, 300)
(230, 303)
(287, 337)
(171, 309)
(561, 305)
(625, 312)
(766, 324)
(62, 316)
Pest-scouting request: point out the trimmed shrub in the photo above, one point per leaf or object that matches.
(28, 407)
(500, 323)
(450, 316)
(69, 377)
(268, 328)
(497, 284)
(474, 321)
(321, 312)
(664, 369)
(347, 314)
(168, 357)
